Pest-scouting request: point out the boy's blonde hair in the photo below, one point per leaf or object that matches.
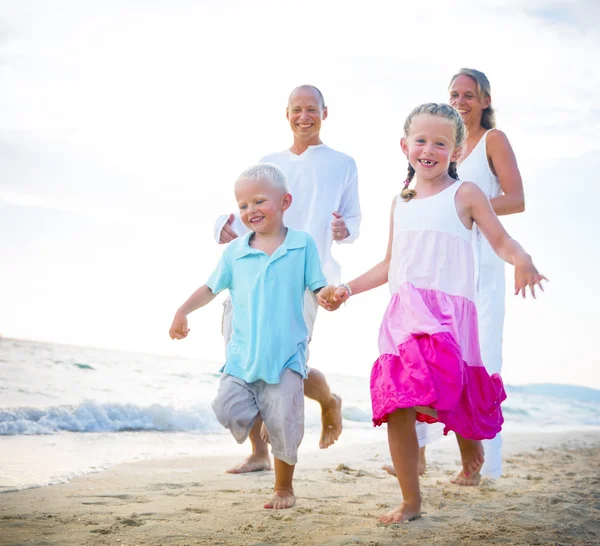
(271, 174)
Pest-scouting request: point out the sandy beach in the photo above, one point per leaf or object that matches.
(550, 495)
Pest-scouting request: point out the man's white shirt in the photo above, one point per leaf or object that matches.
(321, 181)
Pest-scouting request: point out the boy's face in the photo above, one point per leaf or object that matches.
(261, 205)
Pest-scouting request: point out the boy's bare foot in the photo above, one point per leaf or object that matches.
(253, 463)
(401, 514)
(331, 419)
(471, 453)
(422, 464)
(281, 499)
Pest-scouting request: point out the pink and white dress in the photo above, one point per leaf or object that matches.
(428, 339)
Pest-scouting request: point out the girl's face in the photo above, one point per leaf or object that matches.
(464, 96)
(430, 146)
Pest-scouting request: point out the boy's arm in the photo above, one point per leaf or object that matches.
(201, 297)
(220, 279)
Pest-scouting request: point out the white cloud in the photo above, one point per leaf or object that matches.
(124, 123)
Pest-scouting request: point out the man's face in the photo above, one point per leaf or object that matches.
(305, 113)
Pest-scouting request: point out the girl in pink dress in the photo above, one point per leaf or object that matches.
(430, 367)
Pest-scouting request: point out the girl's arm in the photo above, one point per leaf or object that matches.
(179, 328)
(332, 297)
(478, 207)
(504, 165)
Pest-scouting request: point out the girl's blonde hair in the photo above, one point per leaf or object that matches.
(484, 90)
(460, 134)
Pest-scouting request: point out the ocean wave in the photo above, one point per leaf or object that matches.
(91, 416)
(354, 413)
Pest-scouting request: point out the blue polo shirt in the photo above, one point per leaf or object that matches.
(267, 293)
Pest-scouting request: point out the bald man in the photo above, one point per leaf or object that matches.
(324, 187)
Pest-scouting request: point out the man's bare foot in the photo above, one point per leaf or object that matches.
(422, 464)
(331, 419)
(471, 453)
(401, 514)
(281, 499)
(253, 463)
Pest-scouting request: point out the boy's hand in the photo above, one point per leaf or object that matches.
(526, 275)
(179, 328)
(331, 297)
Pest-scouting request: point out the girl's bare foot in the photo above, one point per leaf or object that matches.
(281, 499)
(401, 514)
(331, 419)
(471, 453)
(462, 479)
(422, 464)
(253, 463)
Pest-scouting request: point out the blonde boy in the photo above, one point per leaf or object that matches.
(267, 272)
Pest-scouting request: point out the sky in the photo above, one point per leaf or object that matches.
(123, 125)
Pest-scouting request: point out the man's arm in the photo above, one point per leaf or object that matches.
(350, 207)
(228, 227)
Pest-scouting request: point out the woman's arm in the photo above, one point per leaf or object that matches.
(504, 165)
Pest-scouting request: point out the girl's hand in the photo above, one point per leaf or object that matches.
(526, 275)
(331, 297)
(179, 329)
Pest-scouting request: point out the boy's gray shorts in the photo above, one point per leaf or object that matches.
(280, 405)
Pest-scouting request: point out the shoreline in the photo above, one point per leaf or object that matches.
(550, 493)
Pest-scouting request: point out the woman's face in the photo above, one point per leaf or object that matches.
(464, 96)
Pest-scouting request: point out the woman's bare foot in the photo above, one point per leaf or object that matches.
(253, 463)
(422, 464)
(281, 499)
(331, 419)
(471, 453)
(401, 514)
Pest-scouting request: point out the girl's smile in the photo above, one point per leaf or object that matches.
(430, 146)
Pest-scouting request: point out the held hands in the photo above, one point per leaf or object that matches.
(331, 297)
(227, 233)
(338, 227)
(179, 329)
(526, 275)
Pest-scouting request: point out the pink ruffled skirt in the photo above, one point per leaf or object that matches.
(430, 357)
